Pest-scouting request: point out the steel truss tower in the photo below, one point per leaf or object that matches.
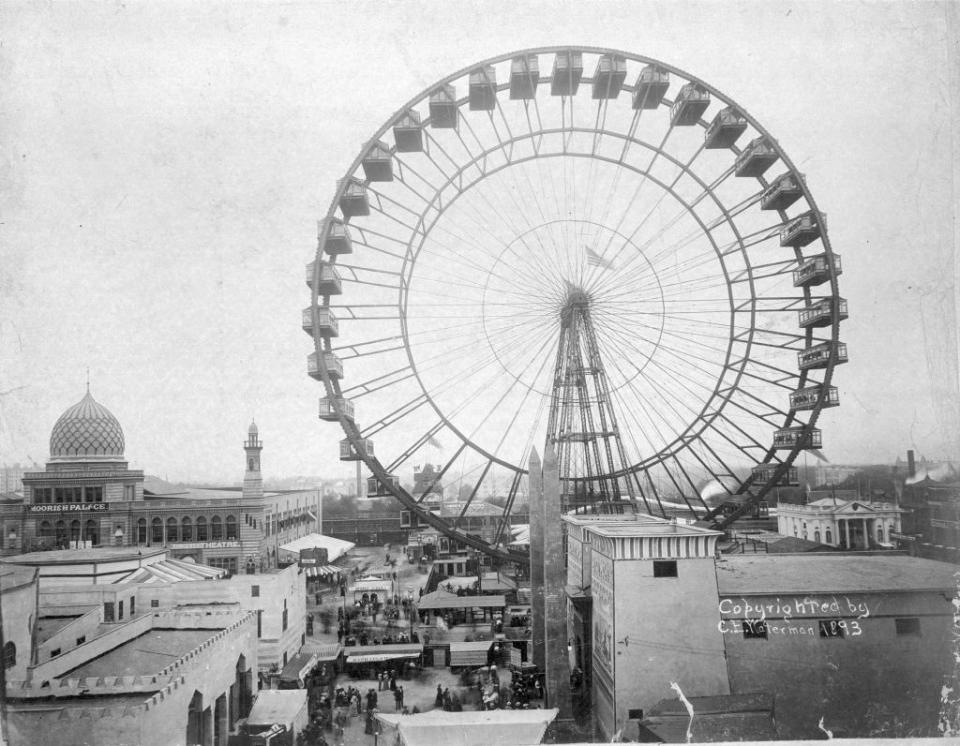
(582, 424)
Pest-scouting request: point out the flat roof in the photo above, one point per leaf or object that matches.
(814, 572)
(277, 706)
(147, 654)
(75, 556)
(618, 530)
(12, 576)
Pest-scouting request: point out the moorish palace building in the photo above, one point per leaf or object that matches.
(88, 497)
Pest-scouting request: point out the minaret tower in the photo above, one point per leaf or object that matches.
(252, 479)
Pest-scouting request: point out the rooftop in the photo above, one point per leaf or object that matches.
(74, 556)
(637, 530)
(814, 572)
(14, 577)
(146, 654)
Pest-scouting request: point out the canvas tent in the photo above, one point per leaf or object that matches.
(475, 728)
(336, 548)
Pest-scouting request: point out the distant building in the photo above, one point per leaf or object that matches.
(931, 526)
(87, 497)
(862, 640)
(844, 524)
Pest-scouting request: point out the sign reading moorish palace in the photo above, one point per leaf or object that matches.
(67, 508)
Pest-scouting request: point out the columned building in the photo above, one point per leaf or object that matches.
(88, 497)
(844, 524)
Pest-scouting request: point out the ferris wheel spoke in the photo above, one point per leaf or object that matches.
(396, 414)
(508, 507)
(425, 439)
(378, 383)
(369, 348)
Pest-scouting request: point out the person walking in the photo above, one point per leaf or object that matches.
(438, 701)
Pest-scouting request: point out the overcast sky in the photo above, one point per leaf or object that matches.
(164, 166)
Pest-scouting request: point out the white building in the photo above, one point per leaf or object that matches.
(845, 524)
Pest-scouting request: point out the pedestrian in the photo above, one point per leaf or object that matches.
(438, 701)
(400, 695)
(396, 700)
(380, 681)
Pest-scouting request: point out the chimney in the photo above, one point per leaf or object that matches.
(911, 465)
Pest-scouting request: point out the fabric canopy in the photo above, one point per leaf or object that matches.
(379, 657)
(475, 728)
(323, 571)
(444, 600)
(329, 651)
(298, 667)
(367, 653)
(335, 547)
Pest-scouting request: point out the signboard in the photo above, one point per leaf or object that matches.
(205, 545)
(313, 557)
(68, 508)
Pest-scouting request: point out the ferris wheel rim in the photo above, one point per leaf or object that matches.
(333, 386)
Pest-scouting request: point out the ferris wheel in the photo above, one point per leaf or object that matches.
(584, 248)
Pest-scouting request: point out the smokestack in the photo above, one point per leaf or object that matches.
(911, 465)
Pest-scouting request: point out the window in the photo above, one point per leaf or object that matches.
(186, 529)
(754, 629)
(255, 591)
(172, 529)
(120, 610)
(108, 612)
(46, 529)
(54, 653)
(665, 568)
(61, 532)
(154, 603)
(74, 531)
(879, 533)
(156, 531)
(829, 536)
(804, 530)
(92, 532)
(142, 531)
(201, 529)
(128, 492)
(832, 628)
(42, 495)
(908, 625)
(225, 563)
(93, 494)
(133, 605)
(231, 527)
(216, 528)
(80, 640)
(816, 535)
(283, 623)
(9, 655)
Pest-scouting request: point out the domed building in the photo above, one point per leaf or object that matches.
(88, 497)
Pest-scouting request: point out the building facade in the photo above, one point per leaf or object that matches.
(88, 497)
(863, 640)
(841, 523)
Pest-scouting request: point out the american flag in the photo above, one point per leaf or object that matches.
(595, 260)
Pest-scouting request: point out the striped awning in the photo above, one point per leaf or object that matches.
(323, 571)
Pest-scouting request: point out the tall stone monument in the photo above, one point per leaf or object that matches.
(547, 580)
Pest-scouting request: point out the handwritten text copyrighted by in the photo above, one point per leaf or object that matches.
(795, 607)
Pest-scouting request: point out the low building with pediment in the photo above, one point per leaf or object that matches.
(841, 523)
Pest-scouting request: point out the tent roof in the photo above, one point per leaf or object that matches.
(335, 547)
(277, 706)
(475, 728)
(444, 600)
(482, 645)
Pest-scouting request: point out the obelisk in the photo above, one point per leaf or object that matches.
(557, 677)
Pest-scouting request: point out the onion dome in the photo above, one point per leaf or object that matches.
(87, 430)
(252, 430)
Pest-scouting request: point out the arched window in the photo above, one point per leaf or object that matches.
(829, 537)
(186, 529)
(816, 535)
(879, 533)
(9, 655)
(231, 527)
(156, 531)
(74, 531)
(201, 529)
(172, 529)
(61, 533)
(91, 532)
(46, 529)
(142, 531)
(216, 528)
